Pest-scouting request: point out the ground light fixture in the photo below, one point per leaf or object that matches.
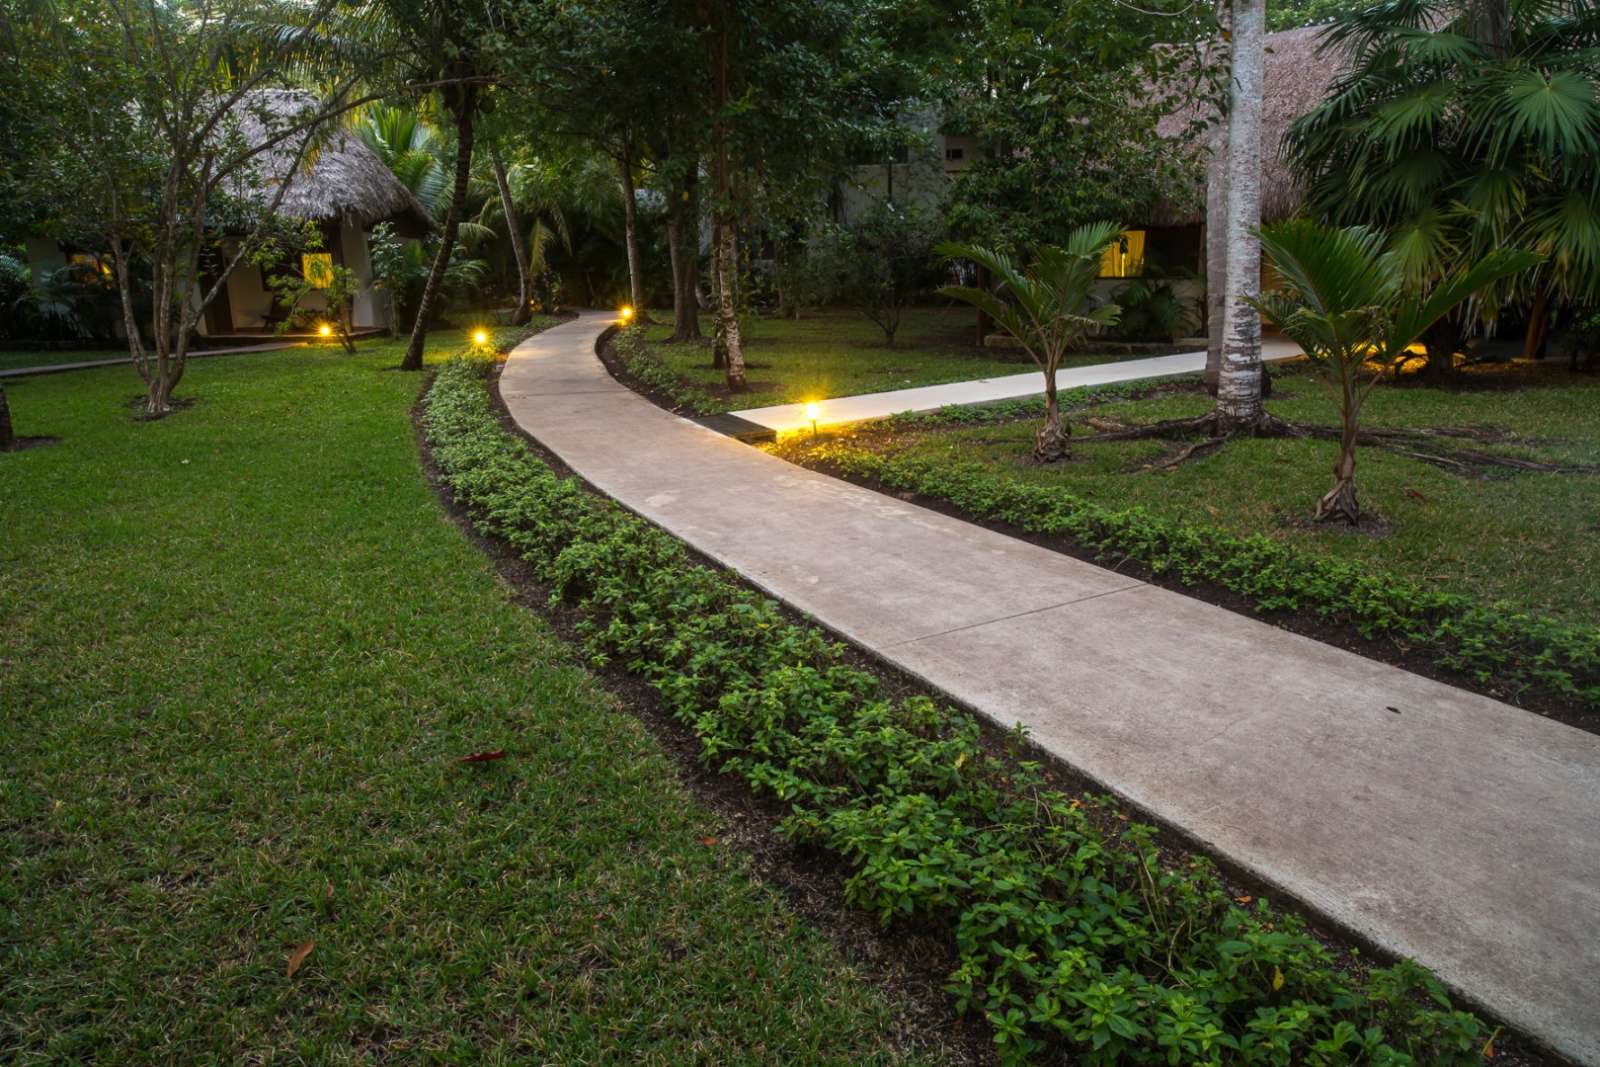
(626, 312)
(480, 337)
(325, 330)
(813, 413)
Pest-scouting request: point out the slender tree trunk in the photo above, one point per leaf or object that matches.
(452, 225)
(524, 308)
(719, 338)
(1216, 250)
(1442, 341)
(983, 324)
(728, 309)
(8, 435)
(630, 218)
(1538, 325)
(1239, 377)
(1216, 253)
(686, 327)
(1053, 441)
(1339, 503)
(724, 253)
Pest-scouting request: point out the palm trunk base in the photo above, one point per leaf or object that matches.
(1053, 442)
(1339, 504)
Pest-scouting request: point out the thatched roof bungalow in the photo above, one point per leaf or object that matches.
(340, 184)
(1297, 77)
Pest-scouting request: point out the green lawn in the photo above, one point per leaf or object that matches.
(12, 360)
(1529, 539)
(838, 352)
(241, 652)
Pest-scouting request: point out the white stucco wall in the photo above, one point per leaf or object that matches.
(367, 309)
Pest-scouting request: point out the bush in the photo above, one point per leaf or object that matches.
(1069, 928)
(878, 264)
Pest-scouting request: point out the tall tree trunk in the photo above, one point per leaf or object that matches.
(452, 225)
(524, 309)
(984, 281)
(684, 216)
(1339, 503)
(1053, 441)
(1216, 253)
(1442, 341)
(1239, 376)
(727, 267)
(630, 219)
(1538, 325)
(728, 311)
(8, 435)
(719, 338)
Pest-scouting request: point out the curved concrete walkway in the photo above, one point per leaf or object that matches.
(1440, 824)
(785, 418)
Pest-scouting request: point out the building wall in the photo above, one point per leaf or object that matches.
(368, 309)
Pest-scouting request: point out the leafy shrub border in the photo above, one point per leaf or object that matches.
(1501, 649)
(634, 353)
(1070, 930)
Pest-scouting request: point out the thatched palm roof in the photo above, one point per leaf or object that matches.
(339, 179)
(1296, 79)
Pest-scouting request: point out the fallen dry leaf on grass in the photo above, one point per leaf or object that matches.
(483, 757)
(298, 956)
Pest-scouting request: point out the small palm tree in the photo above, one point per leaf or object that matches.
(1346, 301)
(1047, 308)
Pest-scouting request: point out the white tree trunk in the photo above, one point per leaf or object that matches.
(1216, 251)
(1239, 380)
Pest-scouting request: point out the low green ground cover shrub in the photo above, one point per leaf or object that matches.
(1070, 930)
(1510, 651)
(635, 354)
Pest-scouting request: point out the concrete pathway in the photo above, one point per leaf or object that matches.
(1440, 824)
(833, 411)
(90, 364)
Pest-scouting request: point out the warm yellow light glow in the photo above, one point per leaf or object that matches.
(480, 337)
(626, 312)
(813, 411)
(325, 330)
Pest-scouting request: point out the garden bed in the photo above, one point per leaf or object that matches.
(933, 823)
(1225, 527)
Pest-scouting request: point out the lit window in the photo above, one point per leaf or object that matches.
(1125, 257)
(317, 268)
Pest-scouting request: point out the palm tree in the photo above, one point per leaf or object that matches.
(1350, 305)
(1047, 308)
(1463, 127)
(1239, 372)
(410, 147)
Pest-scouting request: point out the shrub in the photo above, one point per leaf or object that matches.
(877, 264)
(1069, 928)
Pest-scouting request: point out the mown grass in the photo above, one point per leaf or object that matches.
(838, 352)
(1531, 540)
(241, 652)
(19, 358)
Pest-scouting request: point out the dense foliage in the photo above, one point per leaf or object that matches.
(1069, 926)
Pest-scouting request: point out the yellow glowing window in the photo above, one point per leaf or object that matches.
(1125, 257)
(317, 268)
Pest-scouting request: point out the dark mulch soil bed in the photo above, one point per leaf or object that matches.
(912, 958)
(22, 444)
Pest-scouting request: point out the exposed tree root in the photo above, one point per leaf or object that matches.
(1187, 452)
